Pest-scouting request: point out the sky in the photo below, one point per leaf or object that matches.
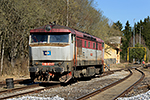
(123, 10)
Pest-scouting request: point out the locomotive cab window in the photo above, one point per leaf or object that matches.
(103, 45)
(72, 38)
(94, 45)
(39, 38)
(84, 43)
(89, 44)
(49, 38)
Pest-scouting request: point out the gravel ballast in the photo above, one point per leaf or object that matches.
(73, 91)
(143, 96)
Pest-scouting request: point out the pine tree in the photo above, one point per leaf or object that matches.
(118, 25)
(125, 41)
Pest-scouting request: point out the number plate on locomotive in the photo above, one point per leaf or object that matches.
(47, 64)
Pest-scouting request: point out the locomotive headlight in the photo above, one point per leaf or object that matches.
(36, 63)
(48, 28)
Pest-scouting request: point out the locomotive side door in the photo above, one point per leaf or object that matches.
(79, 52)
(73, 42)
(96, 52)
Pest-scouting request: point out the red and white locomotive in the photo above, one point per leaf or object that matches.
(60, 53)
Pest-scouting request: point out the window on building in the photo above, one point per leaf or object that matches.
(117, 51)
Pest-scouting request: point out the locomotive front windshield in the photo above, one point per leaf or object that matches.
(49, 38)
(59, 38)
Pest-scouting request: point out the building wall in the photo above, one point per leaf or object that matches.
(110, 55)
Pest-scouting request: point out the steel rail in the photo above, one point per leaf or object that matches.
(28, 92)
(20, 88)
(36, 85)
(131, 87)
(104, 88)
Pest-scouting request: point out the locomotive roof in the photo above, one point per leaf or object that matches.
(59, 28)
(54, 28)
(83, 34)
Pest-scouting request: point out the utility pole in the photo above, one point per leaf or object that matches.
(67, 12)
(134, 35)
(134, 39)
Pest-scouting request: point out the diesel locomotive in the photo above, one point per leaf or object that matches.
(60, 53)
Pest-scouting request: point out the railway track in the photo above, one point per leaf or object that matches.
(120, 87)
(9, 93)
(24, 90)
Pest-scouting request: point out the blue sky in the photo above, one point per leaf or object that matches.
(123, 10)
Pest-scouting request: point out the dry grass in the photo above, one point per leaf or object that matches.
(20, 70)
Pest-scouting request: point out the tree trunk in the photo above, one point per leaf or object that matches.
(2, 59)
(0, 43)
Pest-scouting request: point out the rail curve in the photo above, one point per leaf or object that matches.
(96, 95)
